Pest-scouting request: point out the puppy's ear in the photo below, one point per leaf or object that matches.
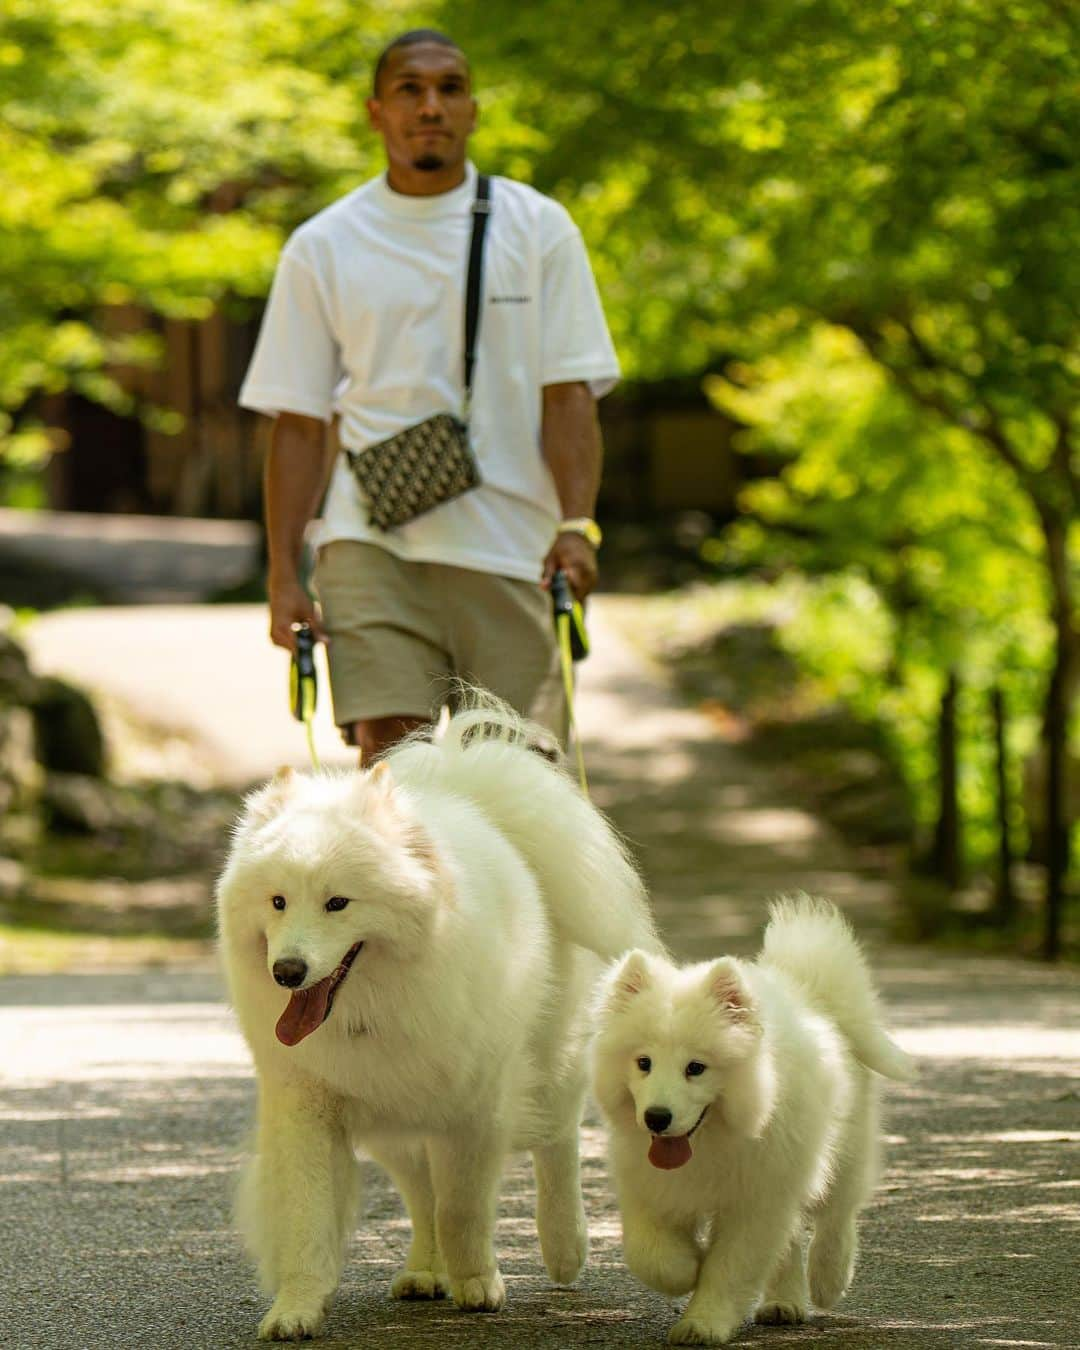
(266, 802)
(627, 979)
(375, 785)
(728, 989)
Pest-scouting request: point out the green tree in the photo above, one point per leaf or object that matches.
(904, 170)
(868, 490)
(156, 155)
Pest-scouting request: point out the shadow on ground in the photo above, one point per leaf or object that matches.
(125, 1235)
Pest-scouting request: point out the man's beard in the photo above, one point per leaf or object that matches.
(429, 163)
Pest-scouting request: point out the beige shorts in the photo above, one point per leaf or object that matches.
(403, 633)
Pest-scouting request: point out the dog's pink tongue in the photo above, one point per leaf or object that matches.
(304, 1013)
(669, 1150)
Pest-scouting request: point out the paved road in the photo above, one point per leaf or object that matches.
(124, 1099)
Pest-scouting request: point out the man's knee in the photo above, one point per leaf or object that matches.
(374, 735)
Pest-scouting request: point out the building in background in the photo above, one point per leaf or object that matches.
(667, 450)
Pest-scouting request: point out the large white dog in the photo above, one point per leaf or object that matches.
(408, 952)
(743, 1112)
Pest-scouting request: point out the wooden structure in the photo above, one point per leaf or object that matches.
(666, 449)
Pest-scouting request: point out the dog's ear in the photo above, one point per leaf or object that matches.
(728, 989)
(266, 802)
(628, 978)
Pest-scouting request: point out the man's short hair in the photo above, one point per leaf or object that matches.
(411, 39)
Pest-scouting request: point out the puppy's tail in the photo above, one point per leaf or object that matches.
(593, 893)
(812, 942)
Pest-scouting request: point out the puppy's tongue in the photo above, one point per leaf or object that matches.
(304, 1013)
(668, 1150)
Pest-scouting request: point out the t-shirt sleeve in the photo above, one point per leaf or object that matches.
(576, 341)
(296, 365)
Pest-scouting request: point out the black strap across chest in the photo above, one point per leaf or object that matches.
(481, 209)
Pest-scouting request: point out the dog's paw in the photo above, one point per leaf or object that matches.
(565, 1254)
(408, 1284)
(667, 1262)
(780, 1314)
(698, 1331)
(479, 1293)
(831, 1265)
(292, 1319)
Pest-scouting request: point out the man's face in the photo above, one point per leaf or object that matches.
(424, 109)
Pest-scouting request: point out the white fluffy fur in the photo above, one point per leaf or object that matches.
(788, 1145)
(480, 880)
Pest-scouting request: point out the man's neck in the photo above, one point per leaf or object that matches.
(411, 182)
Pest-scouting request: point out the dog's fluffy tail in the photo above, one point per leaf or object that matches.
(812, 942)
(592, 890)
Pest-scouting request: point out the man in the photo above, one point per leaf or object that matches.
(365, 321)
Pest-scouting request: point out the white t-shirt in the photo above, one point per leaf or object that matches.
(366, 319)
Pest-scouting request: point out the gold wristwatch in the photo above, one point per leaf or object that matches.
(585, 526)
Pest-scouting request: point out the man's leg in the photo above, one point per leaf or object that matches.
(502, 638)
(376, 734)
(389, 669)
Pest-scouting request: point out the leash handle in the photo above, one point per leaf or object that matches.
(564, 604)
(573, 646)
(303, 685)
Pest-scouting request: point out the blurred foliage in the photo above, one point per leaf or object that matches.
(930, 558)
(156, 155)
(861, 218)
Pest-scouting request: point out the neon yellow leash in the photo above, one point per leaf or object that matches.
(303, 687)
(573, 643)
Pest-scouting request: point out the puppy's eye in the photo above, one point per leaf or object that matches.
(644, 1063)
(695, 1069)
(278, 902)
(336, 902)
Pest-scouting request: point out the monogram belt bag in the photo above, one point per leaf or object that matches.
(431, 462)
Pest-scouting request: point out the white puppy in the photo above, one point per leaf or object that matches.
(408, 955)
(743, 1112)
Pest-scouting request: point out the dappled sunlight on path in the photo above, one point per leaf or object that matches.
(125, 1100)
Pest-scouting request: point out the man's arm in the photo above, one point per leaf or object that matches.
(571, 445)
(297, 467)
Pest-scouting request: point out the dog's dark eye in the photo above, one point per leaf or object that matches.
(644, 1063)
(336, 902)
(694, 1069)
(278, 902)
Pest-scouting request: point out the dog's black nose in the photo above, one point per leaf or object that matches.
(656, 1117)
(291, 972)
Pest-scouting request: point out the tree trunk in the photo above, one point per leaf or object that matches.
(1005, 896)
(946, 850)
(1055, 732)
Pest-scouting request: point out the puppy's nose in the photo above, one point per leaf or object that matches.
(290, 972)
(656, 1118)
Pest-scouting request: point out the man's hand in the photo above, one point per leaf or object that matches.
(573, 554)
(297, 468)
(290, 604)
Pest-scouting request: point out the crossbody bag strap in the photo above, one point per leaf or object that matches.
(481, 209)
